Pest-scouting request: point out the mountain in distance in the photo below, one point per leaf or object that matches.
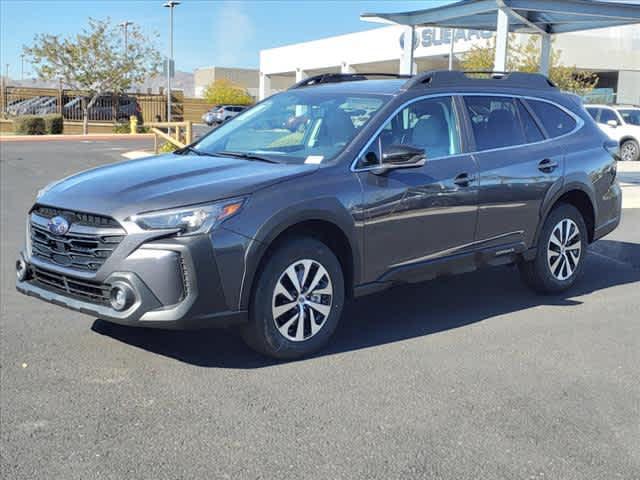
(181, 81)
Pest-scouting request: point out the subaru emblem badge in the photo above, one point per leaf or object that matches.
(58, 225)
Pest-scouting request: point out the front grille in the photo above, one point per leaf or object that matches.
(78, 218)
(82, 251)
(81, 289)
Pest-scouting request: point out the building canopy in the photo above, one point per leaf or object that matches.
(544, 17)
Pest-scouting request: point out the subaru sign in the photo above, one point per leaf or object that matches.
(429, 37)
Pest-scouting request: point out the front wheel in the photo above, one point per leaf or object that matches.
(297, 300)
(630, 151)
(560, 253)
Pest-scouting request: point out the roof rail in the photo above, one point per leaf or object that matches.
(342, 77)
(446, 78)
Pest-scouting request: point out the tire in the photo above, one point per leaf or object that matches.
(630, 151)
(276, 331)
(552, 273)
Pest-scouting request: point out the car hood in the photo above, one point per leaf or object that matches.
(165, 181)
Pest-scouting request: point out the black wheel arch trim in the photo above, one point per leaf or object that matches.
(553, 195)
(328, 210)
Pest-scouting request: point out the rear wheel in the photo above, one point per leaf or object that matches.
(630, 151)
(560, 253)
(297, 300)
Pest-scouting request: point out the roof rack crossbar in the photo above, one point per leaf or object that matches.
(342, 77)
(438, 78)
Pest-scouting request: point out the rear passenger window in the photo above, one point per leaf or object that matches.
(555, 121)
(531, 130)
(494, 121)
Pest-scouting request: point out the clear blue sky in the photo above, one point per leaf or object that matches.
(207, 32)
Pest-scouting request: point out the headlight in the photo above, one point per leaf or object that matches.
(190, 220)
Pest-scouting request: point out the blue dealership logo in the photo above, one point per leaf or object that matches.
(58, 225)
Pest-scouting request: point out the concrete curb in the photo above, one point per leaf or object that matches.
(62, 138)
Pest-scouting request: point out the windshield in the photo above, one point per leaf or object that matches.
(295, 127)
(631, 116)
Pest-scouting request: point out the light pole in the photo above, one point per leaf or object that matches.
(125, 26)
(171, 4)
(453, 41)
(22, 66)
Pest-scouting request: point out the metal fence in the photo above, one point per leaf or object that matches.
(17, 101)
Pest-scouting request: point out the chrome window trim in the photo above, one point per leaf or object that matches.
(579, 124)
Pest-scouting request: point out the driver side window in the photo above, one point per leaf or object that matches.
(428, 124)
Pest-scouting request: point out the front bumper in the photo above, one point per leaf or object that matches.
(175, 285)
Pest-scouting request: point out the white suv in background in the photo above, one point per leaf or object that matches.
(621, 123)
(222, 113)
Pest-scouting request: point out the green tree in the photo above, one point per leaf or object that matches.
(224, 91)
(94, 60)
(525, 57)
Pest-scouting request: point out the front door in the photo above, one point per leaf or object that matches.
(417, 215)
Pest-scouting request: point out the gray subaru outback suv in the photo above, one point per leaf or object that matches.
(342, 186)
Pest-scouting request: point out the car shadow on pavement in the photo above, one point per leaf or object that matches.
(398, 314)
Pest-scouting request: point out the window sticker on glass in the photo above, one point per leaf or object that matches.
(314, 159)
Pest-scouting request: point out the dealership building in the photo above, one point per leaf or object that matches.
(612, 53)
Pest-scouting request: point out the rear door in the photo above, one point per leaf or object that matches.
(517, 168)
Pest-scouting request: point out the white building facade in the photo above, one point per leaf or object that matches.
(612, 53)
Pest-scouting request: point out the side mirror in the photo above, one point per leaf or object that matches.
(613, 123)
(401, 156)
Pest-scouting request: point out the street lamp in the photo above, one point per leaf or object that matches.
(22, 66)
(171, 4)
(125, 26)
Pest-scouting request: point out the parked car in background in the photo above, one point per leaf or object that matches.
(374, 183)
(103, 108)
(221, 113)
(41, 105)
(621, 123)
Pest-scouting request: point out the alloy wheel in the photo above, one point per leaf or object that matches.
(629, 151)
(302, 300)
(564, 249)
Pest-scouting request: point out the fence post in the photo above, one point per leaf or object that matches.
(188, 132)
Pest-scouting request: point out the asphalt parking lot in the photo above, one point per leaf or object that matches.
(468, 377)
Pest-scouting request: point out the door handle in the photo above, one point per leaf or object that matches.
(547, 166)
(463, 180)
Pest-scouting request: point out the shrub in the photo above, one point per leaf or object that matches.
(125, 127)
(121, 128)
(29, 125)
(167, 147)
(54, 124)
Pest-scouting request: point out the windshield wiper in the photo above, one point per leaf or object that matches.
(190, 149)
(246, 156)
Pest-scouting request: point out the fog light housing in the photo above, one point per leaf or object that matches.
(121, 296)
(21, 270)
